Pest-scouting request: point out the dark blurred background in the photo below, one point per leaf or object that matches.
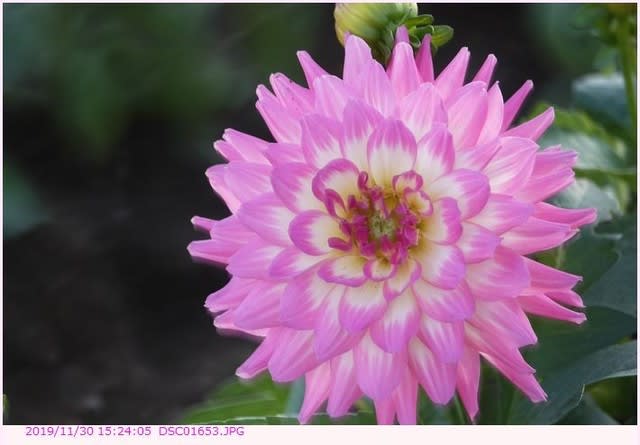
(110, 112)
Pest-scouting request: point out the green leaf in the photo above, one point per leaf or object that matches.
(587, 413)
(583, 193)
(441, 34)
(565, 386)
(603, 97)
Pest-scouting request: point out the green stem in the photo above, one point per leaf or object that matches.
(461, 417)
(627, 70)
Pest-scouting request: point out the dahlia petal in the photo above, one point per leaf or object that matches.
(505, 318)
(216, 175)
(347, 270)
(445, 340)
(280, 153)
(253, 260)
(405, 275)
(492, 343)
(422, 109)
(405, 399)
(391, 150)
(486, 70)
(376, 88)
(282, 125)
(357, 56)
(442, 265)
(567, 297)
(292, 184)
(467, 113)
(260, 309)
(378, 372)
(554, 158)
(379, 269)
(503, 276)
(231, 153)
(470, 190)
(542, 305)
(330, 338)
(424, 61)
(513, 104)
(478, 157)
(537, 235)
(477, 243)
(361, 306)
(573, 217)
(525, 381)
(399, 323)
(385, 411)
(512, 165)
(248, 180)
(248, 148)
(258, 360)
(317, 384)
(290, 263)
(542, 187)
(444, 305)
(468, 381)
(301, 300)
(202, 224)
(436, 377)
(435, 154)
(295, 98)
(495, 112)
(331, 96)
(452, 77)
(293, 355)
(502, 213)
(310, 231)
(547, 278)
(214, 251)
(321, 140)
(402, 70)
(231, 295)
(339, 175)
(266, 216)
(533, 128)
(359, 122)
(444, 224)
(311, 69)
(407, 180)
(344, 388)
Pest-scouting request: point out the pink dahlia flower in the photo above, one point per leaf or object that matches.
(379, 245)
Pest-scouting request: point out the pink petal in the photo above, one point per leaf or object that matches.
(525, 381)
(452, 77)
(407, 180)
(347, 270)
(512, 165)
(542, 187)
(405, 399)
(361, 306)
(330, 338)
(402, 70)
(574, 217)
(391, 150)
(359, 122)
(339, 175)
(502, 213)
(202, 224)
(376, 88)
(486, 70)
(311, 69)
(267, 217)
(443, 226)
(494, 344)
(470, 190)
(477, 243)
(291, 262)
(537, 235)
(507, 319)
(216, 175)
(399, 323)
(424, 61)
(281, 153)
(261, 308)
(283, 126)
(295, 98)
(468, 381)
(442, 265)
(436, 377)
(406, 274)
(467, 113)
(514, 103)
(321, 140)
(547, 278)
(445, 340)
(344, 386)
(311, 230)
(435, 155)
(385, 411)
(331, 96)
(477, 157)
(378, 372)
(379, 269)
(422, 109)
(357, 56)
(542, 305)
(503, 276)
(568, 297)
(495, 111)
(253, 260)
(247, 180)
(292, 184)
(238, 146)
(231, 295)
(533, 128)
(301, 300)
(257, 362)
(444, 305)
(293, 356)
(317, 384)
